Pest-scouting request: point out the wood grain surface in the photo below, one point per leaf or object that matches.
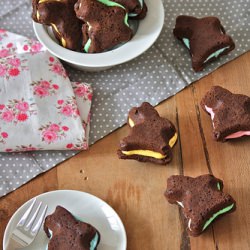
(135, 190)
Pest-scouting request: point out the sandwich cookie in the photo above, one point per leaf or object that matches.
(201, 199)
(66, 232)
(205, 38)
(230, 113)
(105, 24)
(60, 15)
(151, 137)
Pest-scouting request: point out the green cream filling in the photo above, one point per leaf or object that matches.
(109, 4)
(216, 53)
(186, 42)
(222, 211)
(218, 185)
(94, 242)
(87, 45)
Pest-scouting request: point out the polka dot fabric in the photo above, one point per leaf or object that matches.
(159, 73)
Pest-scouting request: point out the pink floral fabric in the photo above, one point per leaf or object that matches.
(68, 107)
(44, 88)
(16, 111)
(40, 109)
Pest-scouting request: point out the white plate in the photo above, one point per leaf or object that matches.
(149, 30)
(84, 206)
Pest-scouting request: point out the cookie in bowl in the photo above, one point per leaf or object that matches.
(105, 24)
(60, 15)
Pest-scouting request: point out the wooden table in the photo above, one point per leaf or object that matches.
(135, 190)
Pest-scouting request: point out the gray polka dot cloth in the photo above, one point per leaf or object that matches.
(159, 73)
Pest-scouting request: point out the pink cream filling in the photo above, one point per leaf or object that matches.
(234, 135)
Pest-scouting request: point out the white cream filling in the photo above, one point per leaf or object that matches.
(189, 224)
(180, 203)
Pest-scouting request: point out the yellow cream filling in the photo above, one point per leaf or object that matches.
(131, 123)
(173, 140)
(37, 15)
(57, 31)
(52, 24)
(150, 153)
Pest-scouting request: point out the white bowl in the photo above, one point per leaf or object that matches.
(148, 31)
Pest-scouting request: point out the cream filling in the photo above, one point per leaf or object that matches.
(222, 211)
(150, 153)
(147, 153)
(131, 123)
(189, 224)
(173, 140)
(238, 134)
(211, 112)
(63, 41)
(186, 42)
(217, 53)
(232, 136)
(57, 31)
(180, 203)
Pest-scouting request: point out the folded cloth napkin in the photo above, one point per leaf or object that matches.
(40, 109)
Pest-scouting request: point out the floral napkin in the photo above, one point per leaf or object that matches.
(40, 109)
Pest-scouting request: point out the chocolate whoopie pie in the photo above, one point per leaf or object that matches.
(202, 200)
(151, 137)
(230, 113)
(105, 24)
(60, 15)
(205, 38)
(66, 232)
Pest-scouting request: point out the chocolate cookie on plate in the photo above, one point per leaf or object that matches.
(66, 232)
(205, 38)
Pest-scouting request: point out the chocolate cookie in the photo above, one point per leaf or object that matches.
(151, 137)
(60, 15)
(205, 38)
(230, 113)
(106, 24)
(66, 232)
(201, 199)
